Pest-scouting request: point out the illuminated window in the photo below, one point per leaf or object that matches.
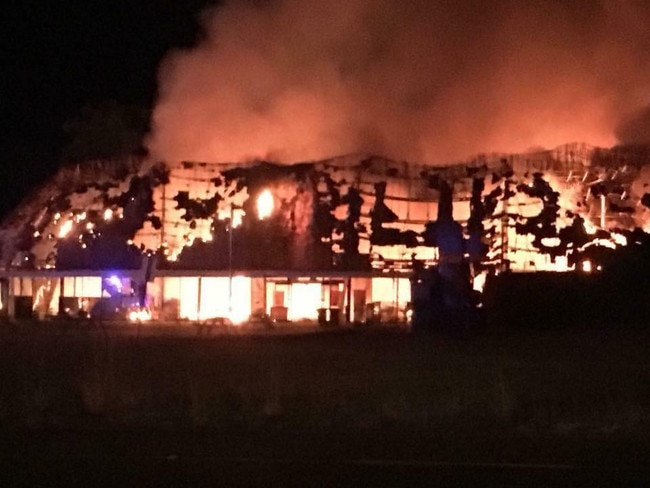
(305, 301)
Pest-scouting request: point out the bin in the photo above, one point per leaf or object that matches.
(335, 317)
(279, 314)
(322, 317)
(23, 307)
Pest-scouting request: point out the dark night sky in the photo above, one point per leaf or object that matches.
(62, 56)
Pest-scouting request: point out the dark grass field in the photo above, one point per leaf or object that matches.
(79, 400)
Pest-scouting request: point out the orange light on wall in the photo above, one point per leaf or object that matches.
(264, 204)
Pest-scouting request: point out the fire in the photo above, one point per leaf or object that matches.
(238, 315)
(590, 228)
(478, 282)
(140, 315)
(304, 301)
(234, 215)
(215, 298)
(264, 204)
(237, 218)
(619, 239)
(610, 244)
(65, 228)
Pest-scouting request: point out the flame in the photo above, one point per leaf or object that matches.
(238, 316)
(264, 204)
(211, 300)
(619, 239)
(600, 242)
(237, 218)
(562, 264)
(304, 301)
(478, 283)
(590, 228)
(551, 241)
(206, 235)
(140, 315)
(65, 228)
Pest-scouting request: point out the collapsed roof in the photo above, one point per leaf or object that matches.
(350, 213)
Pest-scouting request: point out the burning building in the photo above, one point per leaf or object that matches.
(331, 240)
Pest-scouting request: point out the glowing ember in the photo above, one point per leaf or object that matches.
(108, 214)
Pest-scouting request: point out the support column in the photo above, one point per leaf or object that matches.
(61, 296)
(198, 299)
(348, 299)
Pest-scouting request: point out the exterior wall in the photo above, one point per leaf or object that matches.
(46, 295)
(198, 298)
(204, 216)
(186, 211)
(258, 296)
(305, 298)
(360, 297)
(201, 297)
(205, 298)
(43, 296)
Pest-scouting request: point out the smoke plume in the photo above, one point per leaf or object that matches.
(636, 128)
(424, 80)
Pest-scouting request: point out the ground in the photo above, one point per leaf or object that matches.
(165, 405)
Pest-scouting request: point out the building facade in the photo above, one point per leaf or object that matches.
(332, 240)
